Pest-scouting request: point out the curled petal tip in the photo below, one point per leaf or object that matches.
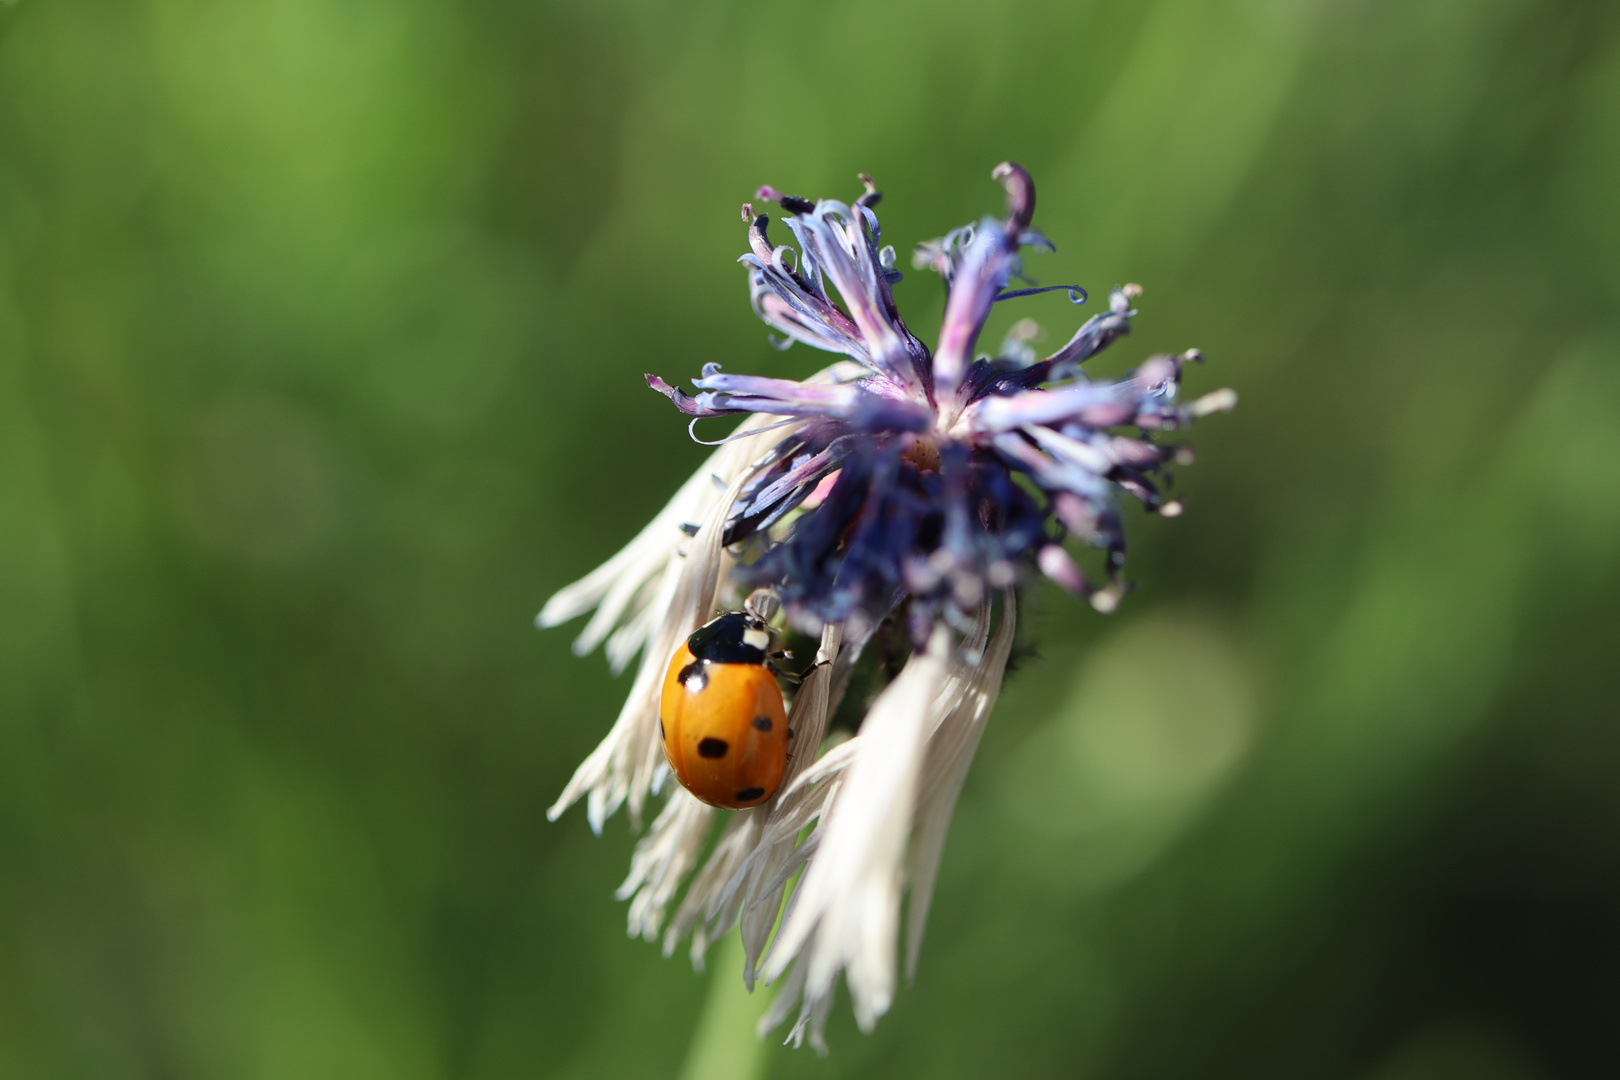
(1214, 402)
(1060, 567)
(872, 196)
(759, 237)
(1020, 194)
(748, 212)
(681, 400)
(793, 204)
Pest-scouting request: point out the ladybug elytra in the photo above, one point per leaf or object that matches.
(724, 728)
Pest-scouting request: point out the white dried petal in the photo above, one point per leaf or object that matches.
(707, 893)
(614, 587)
(950, 752)
(662, 859)
(622, 769)
(846, 909)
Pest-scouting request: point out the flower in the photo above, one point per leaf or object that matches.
(900, 486)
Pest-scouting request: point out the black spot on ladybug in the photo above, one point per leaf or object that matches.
(713, 748)
(762, 723)
(790, 733)
(694, 677)
(749, 794)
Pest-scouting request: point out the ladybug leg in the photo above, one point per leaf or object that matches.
(802, 676)
(796, 680)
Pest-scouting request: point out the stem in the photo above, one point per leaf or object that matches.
(724, 1043)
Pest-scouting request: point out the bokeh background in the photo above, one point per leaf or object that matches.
(322, 327)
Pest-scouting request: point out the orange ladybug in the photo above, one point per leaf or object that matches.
(724, 728)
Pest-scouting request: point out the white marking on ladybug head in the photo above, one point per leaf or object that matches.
(756, 639)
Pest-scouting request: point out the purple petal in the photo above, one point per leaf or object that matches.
(840, 242)
(689, 405)
(1096, 404)
(986, 266)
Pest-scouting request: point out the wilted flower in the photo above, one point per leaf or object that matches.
(899, 486)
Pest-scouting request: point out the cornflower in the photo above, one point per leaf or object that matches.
(901, 487)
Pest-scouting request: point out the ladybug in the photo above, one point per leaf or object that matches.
(720, 715)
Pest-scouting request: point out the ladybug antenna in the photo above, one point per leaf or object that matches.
(763, 604)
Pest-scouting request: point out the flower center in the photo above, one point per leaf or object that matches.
(923, 452)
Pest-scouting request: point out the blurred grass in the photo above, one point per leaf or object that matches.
(321, 335)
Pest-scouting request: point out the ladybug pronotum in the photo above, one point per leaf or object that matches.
(720, 714)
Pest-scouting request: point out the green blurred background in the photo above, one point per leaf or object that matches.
(322, 327)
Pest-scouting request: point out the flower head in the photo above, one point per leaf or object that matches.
(899, 484)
